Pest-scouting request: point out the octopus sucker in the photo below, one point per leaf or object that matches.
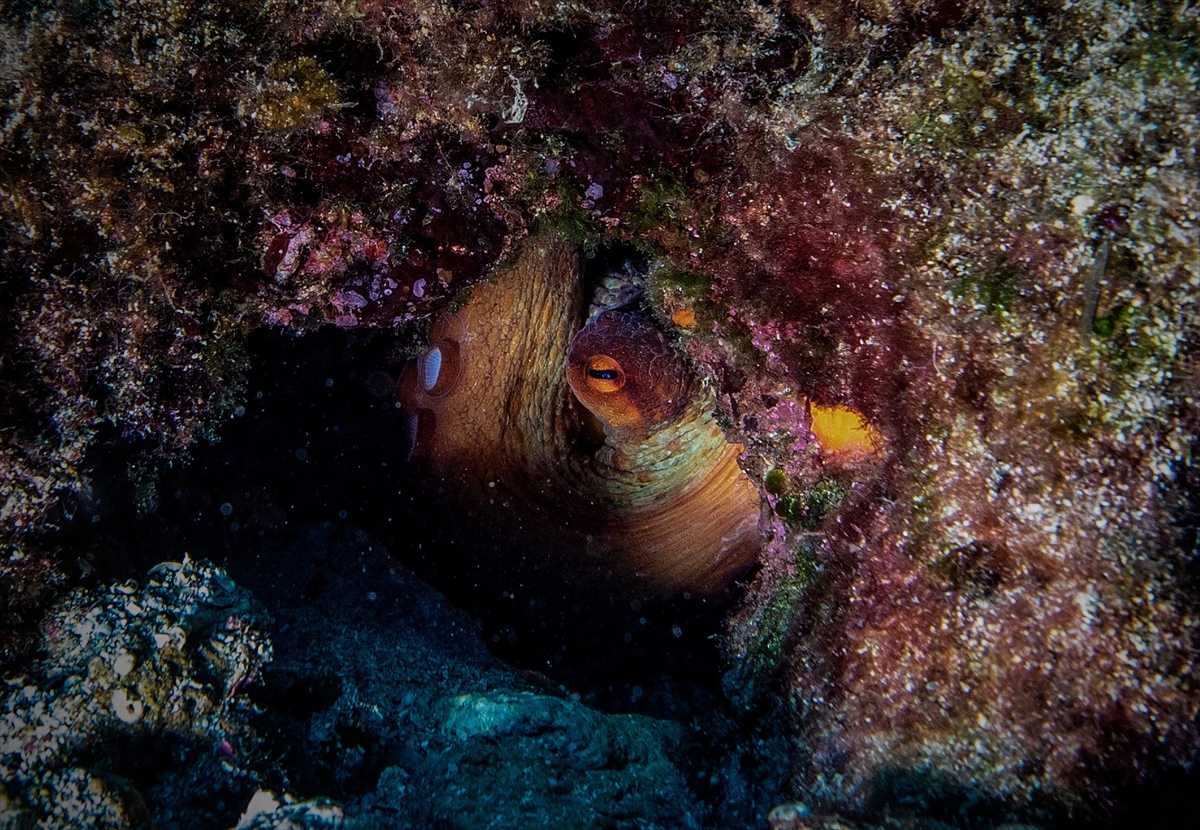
(592, 445)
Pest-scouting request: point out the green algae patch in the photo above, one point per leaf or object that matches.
(775, 482)
(772, 631)
(672, 213)
(808, 509)
(293, 96)
(688, 284)
(994, 287)
(1116, 319)
(574, 224)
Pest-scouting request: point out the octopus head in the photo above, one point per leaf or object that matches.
(624, 371)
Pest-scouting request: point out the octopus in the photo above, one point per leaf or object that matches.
(593, 445)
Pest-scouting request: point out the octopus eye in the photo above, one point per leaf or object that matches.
(438, 368)
(604, 374)
(431, 367)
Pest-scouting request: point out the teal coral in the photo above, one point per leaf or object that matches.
(512, 742)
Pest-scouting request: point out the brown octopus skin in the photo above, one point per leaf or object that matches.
(661, 506)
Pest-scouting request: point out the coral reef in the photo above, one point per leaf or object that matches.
(126, 663)
(972, 226)
(171, 184)
(1005, 613)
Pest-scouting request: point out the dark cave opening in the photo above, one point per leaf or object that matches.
(322, 439)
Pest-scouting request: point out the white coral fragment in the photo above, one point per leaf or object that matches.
(123, 665)
(263, 801)
(127, 710)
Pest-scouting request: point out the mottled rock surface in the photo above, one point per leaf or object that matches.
(382, 696)
(126, 670)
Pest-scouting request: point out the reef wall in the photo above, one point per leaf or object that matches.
(971, 228)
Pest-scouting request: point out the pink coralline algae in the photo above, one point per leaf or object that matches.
(899, 208)
(1004, 614)
(305, 263)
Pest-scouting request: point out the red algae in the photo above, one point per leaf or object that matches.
(815, 278)
(891, 207)
(1002, 615)
(29, 581)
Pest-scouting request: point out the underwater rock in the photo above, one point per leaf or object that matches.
(529, 760)
(29, 581)
(265, 812)
(1003, 617)
(387, 702)
(14, 816)
(171, 657)
(658, 497)
(799, 817)
(901, 208)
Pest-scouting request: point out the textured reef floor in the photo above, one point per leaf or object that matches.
(935, 268)
(372, 690)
